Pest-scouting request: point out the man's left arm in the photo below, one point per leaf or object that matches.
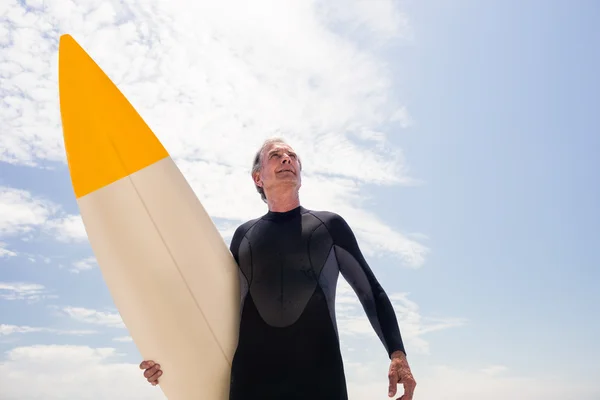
(376, 303)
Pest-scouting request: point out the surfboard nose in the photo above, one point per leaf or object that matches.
(105, 137)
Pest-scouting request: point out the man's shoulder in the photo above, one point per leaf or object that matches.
(244, 227)
(330, 218)
(339, 229)
(324, 215)
(240, 233)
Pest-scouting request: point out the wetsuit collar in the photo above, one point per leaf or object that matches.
(284, 216)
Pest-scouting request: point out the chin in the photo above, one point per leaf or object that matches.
(292, 183)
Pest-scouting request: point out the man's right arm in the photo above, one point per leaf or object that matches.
(236, 240)
(240, 244)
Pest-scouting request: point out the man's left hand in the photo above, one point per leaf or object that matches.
(400, 373)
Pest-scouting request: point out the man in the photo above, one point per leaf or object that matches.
(289, 261)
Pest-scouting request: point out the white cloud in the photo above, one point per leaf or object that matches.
(368, 380)
(453, 383)
(123, 339)
(214, 84)
(31, 292)
(354, 324)
(401, 115)
(220, 69)
(95, 317)
(5, 252)
(67, 228)
(83, 264)
(80, 372)
(6, 329)
(374, 20)
(494, 369)
(23, 214)
(72, 372)
(377, 238)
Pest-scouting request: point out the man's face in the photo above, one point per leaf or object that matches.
(280, 166)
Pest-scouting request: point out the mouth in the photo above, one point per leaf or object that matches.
(286, 170)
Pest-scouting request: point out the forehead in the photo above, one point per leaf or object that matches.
(275, 147)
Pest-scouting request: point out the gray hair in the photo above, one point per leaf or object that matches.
(257, 163)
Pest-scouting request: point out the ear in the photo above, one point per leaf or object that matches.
(257, 180)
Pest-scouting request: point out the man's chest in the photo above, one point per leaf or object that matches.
(293, 248)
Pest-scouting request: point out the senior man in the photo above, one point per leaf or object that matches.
(289, 261)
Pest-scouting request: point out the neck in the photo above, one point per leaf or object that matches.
(282, 202)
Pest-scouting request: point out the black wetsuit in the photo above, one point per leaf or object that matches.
(288, 341)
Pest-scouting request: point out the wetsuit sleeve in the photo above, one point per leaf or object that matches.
(239, 243)
(235, 243)
(359, 275)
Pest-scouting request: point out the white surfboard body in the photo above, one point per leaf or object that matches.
(167, 268)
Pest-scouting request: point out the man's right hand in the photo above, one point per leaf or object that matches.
(152, 371)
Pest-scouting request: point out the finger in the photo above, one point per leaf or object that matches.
(406, 396)
(151, 371)
(409, 384)
(409, 389)
(393, 380)
(154, 378)
(146, 364)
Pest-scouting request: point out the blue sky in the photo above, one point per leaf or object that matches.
(506, 142)
(472, 188)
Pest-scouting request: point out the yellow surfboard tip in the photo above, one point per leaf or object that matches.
(64, 39)
(105, 138)
(67, 45)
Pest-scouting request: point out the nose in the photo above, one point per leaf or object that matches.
(286, 159)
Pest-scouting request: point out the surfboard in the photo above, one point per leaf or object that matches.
(167, 268)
